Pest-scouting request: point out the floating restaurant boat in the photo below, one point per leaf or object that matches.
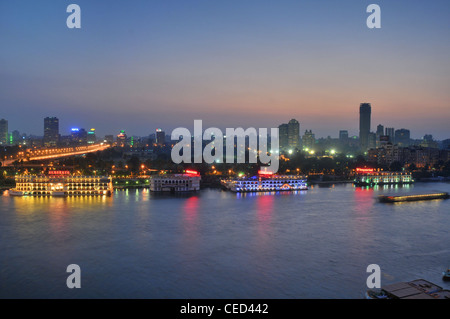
(176, 183)
(61, 183)
(410, 198)
(416, 289)
(266, 182)
(371, 177)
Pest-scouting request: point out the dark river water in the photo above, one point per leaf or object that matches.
(217, 244)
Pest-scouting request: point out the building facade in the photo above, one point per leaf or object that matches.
(4, 136)
(402, 137)
(365, 110)
(51, 131)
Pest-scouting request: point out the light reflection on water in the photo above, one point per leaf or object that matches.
(216, 244)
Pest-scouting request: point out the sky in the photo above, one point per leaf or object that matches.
(141, 65)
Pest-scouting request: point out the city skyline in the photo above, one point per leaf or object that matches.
(67, 131)
(162, 65)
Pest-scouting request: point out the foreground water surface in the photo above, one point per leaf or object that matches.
(216, 244)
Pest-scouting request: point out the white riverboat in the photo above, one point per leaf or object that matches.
(266, 182)
(372, 177)
(176, 183)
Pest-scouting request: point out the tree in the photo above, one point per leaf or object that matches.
(396, 166)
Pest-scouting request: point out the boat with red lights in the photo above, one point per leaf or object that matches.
(189, 181)
(266, 182)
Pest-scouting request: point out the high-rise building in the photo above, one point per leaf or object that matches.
(16, 138)
(289, 136)
(379, 134)
(51, 131)
(122, 139)
(428, 141)
(91, 138)
(160, 137)
(79, 136)
(294, 134)
(308, 140)
(4, 136)
(365, 110)
(402, 137)
(390, 131)
(283, 133)
(380, 130)
(343, 135)
(109, 139)
(372, 140)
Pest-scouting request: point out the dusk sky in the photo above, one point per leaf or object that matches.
(142, 65)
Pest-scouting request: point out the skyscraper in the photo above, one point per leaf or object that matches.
(402, 137)
(4, 132)
(365, 110)
(91, 138)
(283, 132)
(51, 131)
(309, 140)
(391, 133)
(343, 135)
(294, 134)
(160, 137)
(379, 134)
(122, 139)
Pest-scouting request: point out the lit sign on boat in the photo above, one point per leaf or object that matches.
(59, 172)
(191, 172)
(365, 170)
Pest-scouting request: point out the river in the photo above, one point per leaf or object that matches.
(217, 244)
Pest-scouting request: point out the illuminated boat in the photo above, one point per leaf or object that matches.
(176, 183)
(266, 182)
(371, 177)
(411, 198)
(61, 183)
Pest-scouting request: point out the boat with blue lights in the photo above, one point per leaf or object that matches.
(266, 182)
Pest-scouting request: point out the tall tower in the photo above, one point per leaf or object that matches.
(160, 137)
(294, 134)
(4, 132)
(51, 131)
(365, 110)
(283, 132)
(390, 132)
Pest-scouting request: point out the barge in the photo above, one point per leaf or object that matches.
(412, 198)
(416, 289)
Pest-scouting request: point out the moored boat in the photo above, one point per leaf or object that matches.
(266, 182)
(416, 289)
(446, 275)
(60, 184)
(372, 177)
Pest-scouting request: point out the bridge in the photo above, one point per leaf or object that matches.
(53, 153)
